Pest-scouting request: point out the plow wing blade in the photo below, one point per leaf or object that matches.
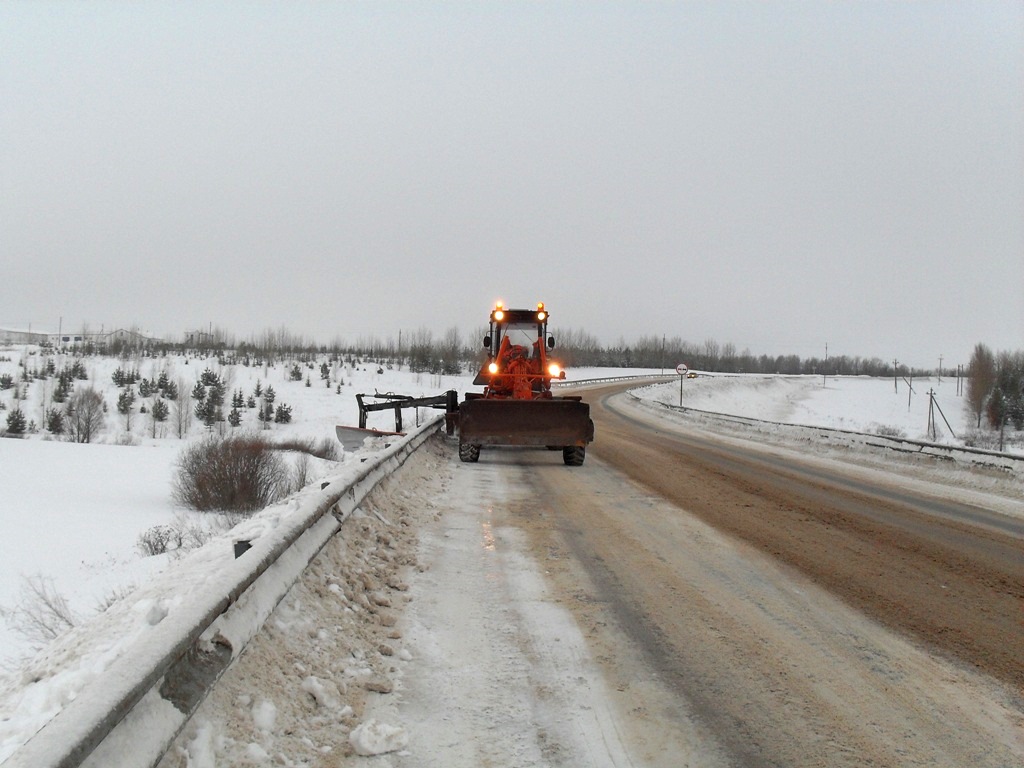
(557, 422)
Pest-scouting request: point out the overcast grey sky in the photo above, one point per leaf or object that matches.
(779, 175)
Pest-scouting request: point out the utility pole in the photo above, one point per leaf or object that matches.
(895, 375)
(1002, 420)
(824, 368)
(940, 369)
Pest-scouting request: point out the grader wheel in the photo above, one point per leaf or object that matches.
(573, 455)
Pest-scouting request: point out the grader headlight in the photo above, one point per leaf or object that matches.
(492, 368)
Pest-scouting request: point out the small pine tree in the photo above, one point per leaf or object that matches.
(65, 383)
(309, 382)
(269, 395)
(258, 391)
(124, 406)
(215, 394)
(213, 415)
(199, 392)
(55, 421)
(266, 415)
(125, 401)
(202, 410)
(235, 417)
(250, 402)
(16, 422)
(283, 414)
(160, 410)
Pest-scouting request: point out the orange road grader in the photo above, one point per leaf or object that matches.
(517, 407)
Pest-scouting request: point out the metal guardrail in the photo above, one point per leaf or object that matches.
(612, 379)
(149, 693)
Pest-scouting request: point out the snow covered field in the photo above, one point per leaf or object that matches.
(72, 514)
(856, 403)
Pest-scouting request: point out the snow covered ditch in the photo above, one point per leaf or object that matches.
(76, 694)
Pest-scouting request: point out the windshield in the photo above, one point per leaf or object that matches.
(524, 335)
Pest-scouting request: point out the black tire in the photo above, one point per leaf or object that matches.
(573, 455)
(469, 453)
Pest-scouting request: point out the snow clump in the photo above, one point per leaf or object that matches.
(377, 738)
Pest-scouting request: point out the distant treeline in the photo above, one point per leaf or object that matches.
(579, 349)
(995, 391)
(451, 353)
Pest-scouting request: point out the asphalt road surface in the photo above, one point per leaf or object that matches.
(949, 574)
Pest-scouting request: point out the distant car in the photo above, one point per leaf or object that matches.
(691, 374)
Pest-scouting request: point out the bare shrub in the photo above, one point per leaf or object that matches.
(158, 540)
(300, 472)
(982, 438)
(239, 474)
(83, 416)
(127, 439)
(41, 612)
(325, 448)
(115, 595)
(182, 534)
(886, 430)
